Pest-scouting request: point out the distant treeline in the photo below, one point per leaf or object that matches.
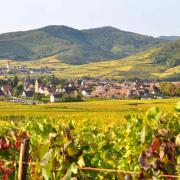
(170, 89)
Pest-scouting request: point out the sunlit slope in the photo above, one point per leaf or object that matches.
(169, 72)
(135, 66)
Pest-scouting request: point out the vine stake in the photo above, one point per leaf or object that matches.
(23, 160)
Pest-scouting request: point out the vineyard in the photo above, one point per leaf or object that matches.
(130, 140)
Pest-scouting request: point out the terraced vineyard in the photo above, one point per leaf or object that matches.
(135, 66)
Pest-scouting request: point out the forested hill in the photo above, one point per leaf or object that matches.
(168, 54)
(73, 46)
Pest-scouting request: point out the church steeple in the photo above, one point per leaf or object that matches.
(37, 85)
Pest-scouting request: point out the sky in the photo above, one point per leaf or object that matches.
(150, 17)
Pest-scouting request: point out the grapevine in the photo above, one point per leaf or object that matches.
(143, 147)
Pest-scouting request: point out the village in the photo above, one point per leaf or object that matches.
(32, 90)
(22, 70)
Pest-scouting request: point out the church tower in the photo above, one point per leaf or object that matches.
(37, 85)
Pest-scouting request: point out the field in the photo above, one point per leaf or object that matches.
(103, 139)
(95, 111)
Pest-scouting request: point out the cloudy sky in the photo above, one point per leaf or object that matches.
(151, 17)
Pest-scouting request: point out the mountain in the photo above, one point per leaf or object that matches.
(168, 54)
(73, 46)
(118, 42)
(169, 38)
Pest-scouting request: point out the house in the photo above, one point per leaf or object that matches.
(99, 92)
(1, 93)
(61, 90)
(153, 90)
(70, 89)
(118, 93)
(29, 88)
(7, 89)
(86, 93)
(55, 97)
(79, 82)
(27, 94)
(46, 90)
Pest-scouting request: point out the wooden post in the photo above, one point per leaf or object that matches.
(23, 160)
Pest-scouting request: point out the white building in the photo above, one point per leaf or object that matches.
(55, 97)
(86, 93)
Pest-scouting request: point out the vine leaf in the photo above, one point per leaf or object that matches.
(154, 114)
(67, 175)
(178, 107)
(46, 158)
(143, 135)
(74, 168)
(41, 127)
(155, 145)
(81, 161)
(46, 171)
(143, 161)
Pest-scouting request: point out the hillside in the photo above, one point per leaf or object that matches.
(73, 46)
(134, 66)
(168, 55)
(120, 43)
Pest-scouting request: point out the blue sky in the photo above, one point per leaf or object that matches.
(151, 17)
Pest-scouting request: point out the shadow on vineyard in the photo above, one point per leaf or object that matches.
(145, 147)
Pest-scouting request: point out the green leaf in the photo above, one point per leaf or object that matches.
(38, 167)
(74, 168)
(178, 107)
(46, 172)
(41, 127)
(72, 149)
(42, 149)
(67, 175)
(154, 114)
(81, 161)
(46, 158)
